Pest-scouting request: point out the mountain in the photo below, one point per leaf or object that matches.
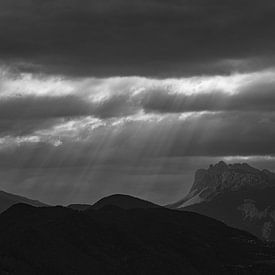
(7, 200)
(113, 240)
(124, 202)
(237, 194)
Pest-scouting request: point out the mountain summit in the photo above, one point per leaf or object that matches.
(220, 177)
(124, 202)
(238, 194)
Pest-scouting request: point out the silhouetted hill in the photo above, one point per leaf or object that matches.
(79, 207)
(112, 240)
(124, 202)
(8, 199)
(237, 194)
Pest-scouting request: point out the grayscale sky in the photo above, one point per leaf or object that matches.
(119, 96)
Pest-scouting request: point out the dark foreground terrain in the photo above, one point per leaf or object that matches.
(115, 240)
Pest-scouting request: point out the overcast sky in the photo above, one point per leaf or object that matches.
(119, 96)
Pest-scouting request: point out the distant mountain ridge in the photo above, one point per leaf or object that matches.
(238, 194)
(8, 199)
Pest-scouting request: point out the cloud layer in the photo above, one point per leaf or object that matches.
(118, 37)
(56, 122)
(27, 97)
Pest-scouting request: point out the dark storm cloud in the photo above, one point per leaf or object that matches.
(42, 107)
(131, 143)
(24, 127)
(121, 37)
(259, 97)
(210, 134)
(154, 159)
(253, 93)
(22, 114)
(23, 107)
(225, 134)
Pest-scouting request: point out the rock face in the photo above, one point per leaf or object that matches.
(221, 177)
(238, 194)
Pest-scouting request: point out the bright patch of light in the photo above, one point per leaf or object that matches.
(186, 115)
(98, 89)
(71, 129)
(28, 84)
(248, 158)
(8, 141)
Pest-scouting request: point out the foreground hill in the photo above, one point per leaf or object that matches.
(7, 200)
(124, 202)
(79, 207)
(118, 200)
(113, 240)
(237, 194)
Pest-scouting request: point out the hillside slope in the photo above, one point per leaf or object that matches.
(112, 240)
(8, 199)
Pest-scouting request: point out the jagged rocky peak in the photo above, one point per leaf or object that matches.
(237, 194)
(220, 165)
(221, 176)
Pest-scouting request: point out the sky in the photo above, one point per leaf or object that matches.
(118, 96)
